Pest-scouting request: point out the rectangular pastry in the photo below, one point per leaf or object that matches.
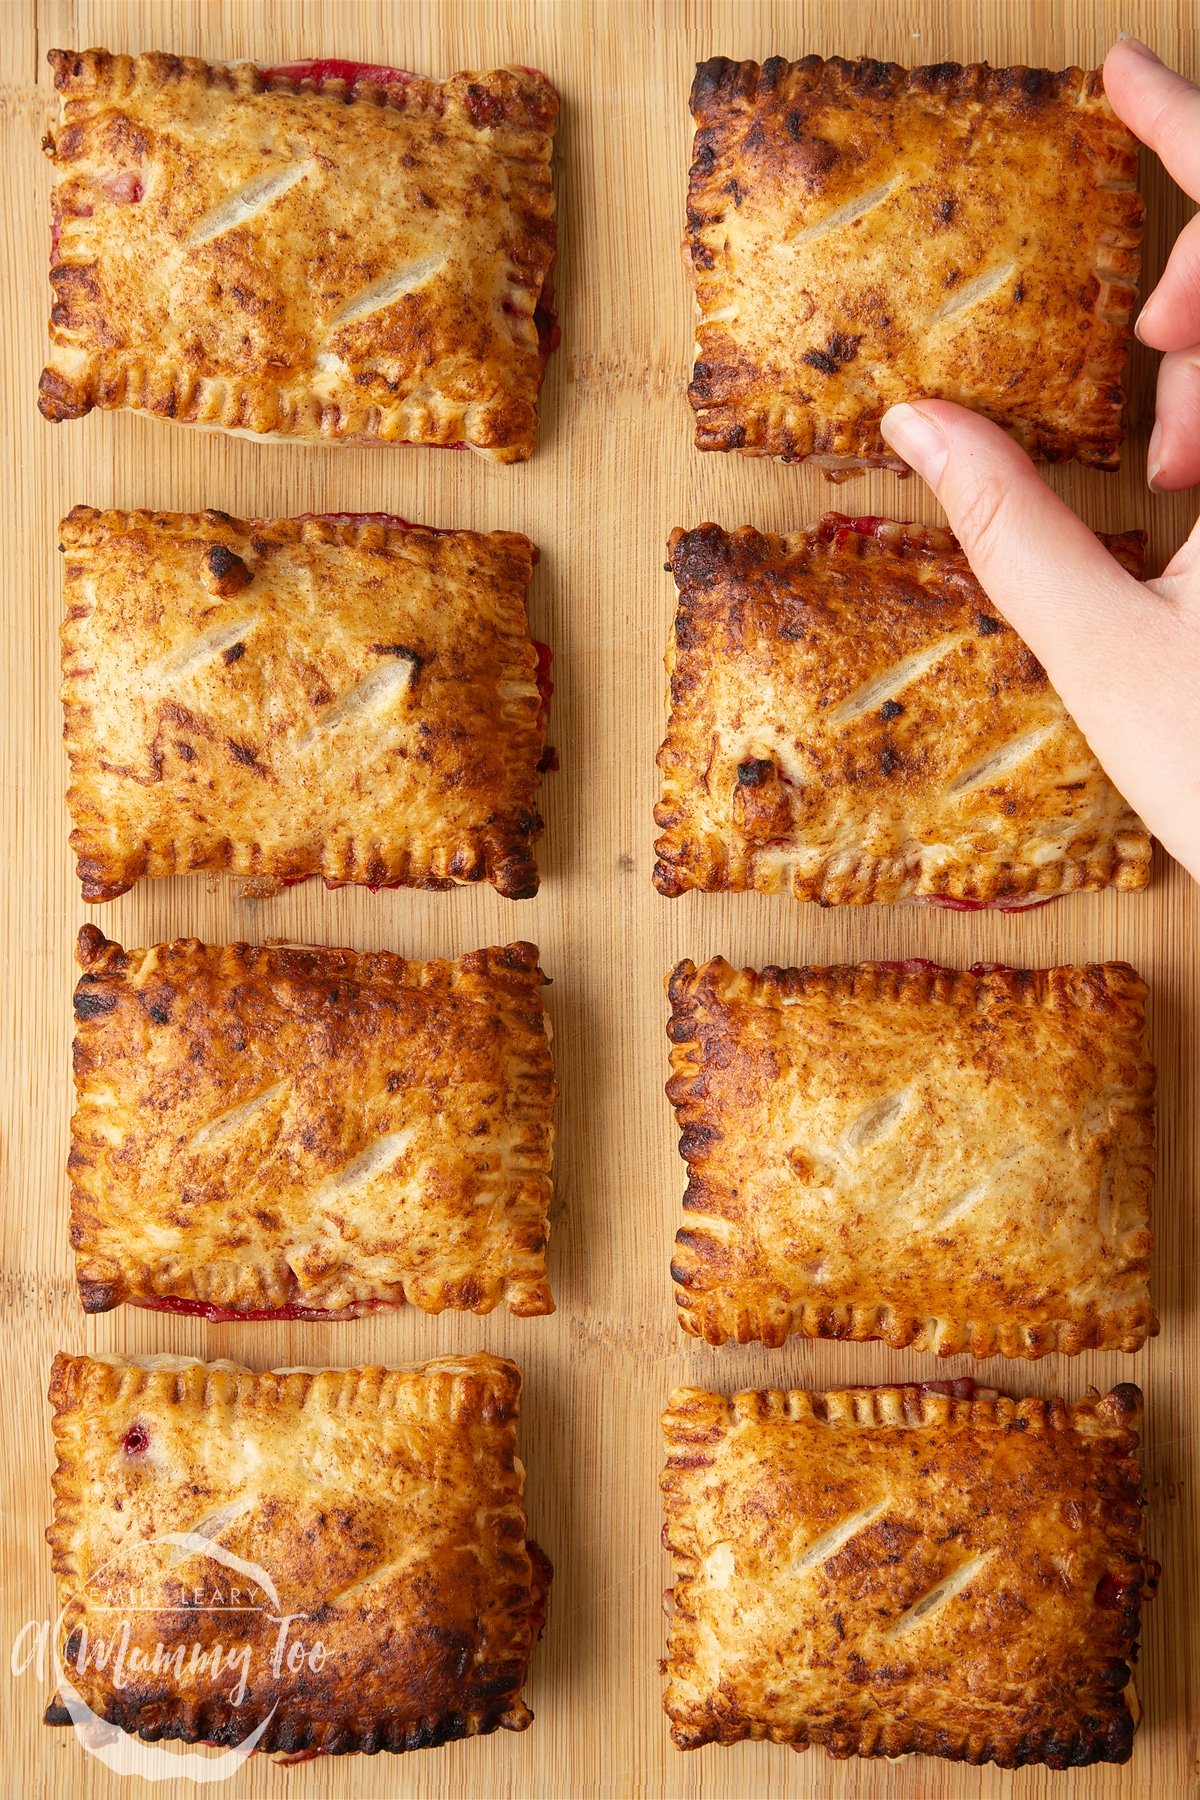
(328, 251)
(306, 1562)
(948, 1161)
(340, 695)
(310, 1133)
(886, 1570)
(860, 233)
(852, 720)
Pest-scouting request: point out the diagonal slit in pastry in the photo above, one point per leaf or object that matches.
(828, 1545)
(388, 289)
(846, 214)
(941, 1594)
(216, 1131)
(246, 202)
(999, 762)
(374, 692)
(893, 680)
(982, 287)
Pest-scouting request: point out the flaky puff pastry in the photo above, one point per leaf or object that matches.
(310, 1131)
(946, 1161)
(378, 1511)
(897, 1569)
(852, 720)
(327, 251)
(344, 696)
(860, 233)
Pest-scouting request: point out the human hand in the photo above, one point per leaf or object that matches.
(1124, 655)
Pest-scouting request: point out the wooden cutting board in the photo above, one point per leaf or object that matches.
(614, 471)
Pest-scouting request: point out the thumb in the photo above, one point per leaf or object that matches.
(1116, 652)
(1079, 611)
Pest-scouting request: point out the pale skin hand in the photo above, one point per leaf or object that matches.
(1123, 654)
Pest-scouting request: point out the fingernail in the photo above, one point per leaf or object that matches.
(1139, 324)
(918, 440)
(1154, 456)
(1135, 43)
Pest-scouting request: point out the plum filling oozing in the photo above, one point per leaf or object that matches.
(541, 1574)
(125, 189)
(948, 904)
(547, 762)
(545, 319)
(320, 69)
(838, 528)
(232, 1315)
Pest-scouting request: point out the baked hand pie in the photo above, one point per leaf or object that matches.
(310, 1133)
(851, 719)
(319, 1561)
(860, 233)
(948, 1161)
(327, 251)
(339, 695)
(878, 1571)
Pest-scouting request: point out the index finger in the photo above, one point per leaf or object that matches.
(1159, 106)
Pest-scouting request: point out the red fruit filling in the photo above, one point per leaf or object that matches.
(136, 1440)
(233, 1315)
(948, 904)
(125, 189)
(545, 319)
(839, 528)
(320, 69)
(915, 964)
(541, 1574)
(548, 760)
(1110, 1593)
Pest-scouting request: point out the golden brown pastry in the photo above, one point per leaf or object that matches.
(949, 1161)
(356, 1539)
(852, 720)
(328, 251)
(896, 1569)
(861, 233)
(310, 1132)
(339, 695)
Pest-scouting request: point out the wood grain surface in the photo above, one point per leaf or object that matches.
(614, 471)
